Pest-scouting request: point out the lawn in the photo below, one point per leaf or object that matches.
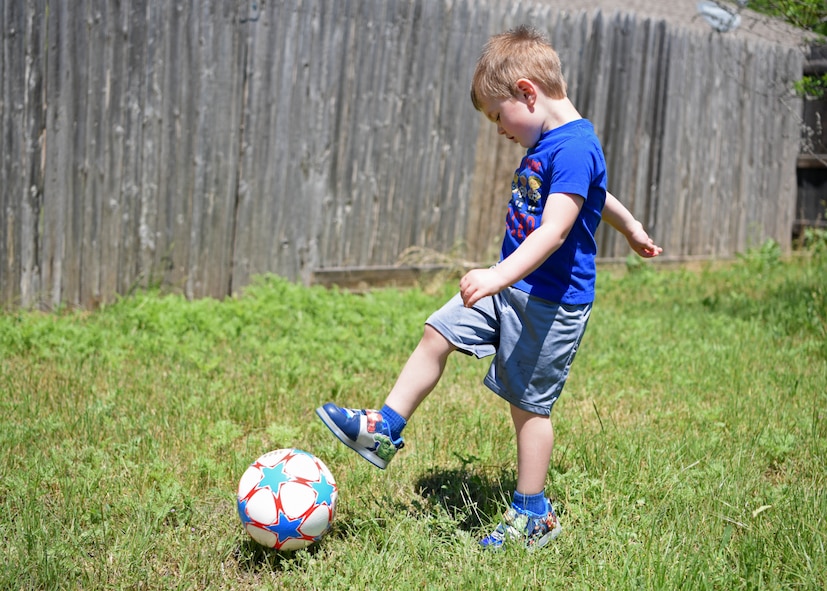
(691, 439)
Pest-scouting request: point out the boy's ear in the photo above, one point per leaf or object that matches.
(526, 90)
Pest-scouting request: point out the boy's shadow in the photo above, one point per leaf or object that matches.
(472, 498)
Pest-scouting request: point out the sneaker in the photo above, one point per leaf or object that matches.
(532, 530)
(363, 431)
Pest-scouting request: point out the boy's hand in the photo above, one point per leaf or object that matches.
(642, 244)
(479, 283)
(622, 220)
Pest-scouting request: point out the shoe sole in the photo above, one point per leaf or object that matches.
(543, 541)
(340, 435)
(552, 535)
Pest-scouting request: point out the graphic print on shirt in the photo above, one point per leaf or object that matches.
(525, 211)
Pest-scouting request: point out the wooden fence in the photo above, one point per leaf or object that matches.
(196, 144)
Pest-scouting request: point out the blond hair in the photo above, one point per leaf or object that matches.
(519, 53)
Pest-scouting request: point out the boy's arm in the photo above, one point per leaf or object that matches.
(560, 213)
(622, 220)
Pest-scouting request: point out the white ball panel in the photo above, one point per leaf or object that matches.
(317, 522)
(262, 506)
(249, 480)
(296, 498)
(295, 544)
(303, 466)
(328, 475)
(271, 458)
(262, 536)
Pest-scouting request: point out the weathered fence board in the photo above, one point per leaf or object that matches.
(196, 144)
(21, 162)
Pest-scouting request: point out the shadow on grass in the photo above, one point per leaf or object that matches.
(470, 497)
(253, 557)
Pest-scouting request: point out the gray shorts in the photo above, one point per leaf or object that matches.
(534, 342)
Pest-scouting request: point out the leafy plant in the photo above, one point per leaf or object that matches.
(811, 86)
(805, 14)
(814, 240)
(810, 15)
(762, 258)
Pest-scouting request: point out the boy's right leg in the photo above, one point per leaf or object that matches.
(376, 434)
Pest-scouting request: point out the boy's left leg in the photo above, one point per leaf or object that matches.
(531, 517)
(535, 440)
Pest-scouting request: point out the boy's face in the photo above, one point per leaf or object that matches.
(516, 118)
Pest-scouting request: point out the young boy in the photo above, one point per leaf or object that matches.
(530, 310)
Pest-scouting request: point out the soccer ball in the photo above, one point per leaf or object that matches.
(287, 499)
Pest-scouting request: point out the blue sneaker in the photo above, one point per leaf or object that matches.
(363, 431)
(534, 531)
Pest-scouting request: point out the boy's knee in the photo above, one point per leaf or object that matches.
(432, 338)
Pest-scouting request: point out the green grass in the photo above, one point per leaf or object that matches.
(691, 440)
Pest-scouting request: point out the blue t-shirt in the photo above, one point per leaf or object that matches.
(567, 159)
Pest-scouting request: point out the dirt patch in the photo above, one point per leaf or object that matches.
(684, 13)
